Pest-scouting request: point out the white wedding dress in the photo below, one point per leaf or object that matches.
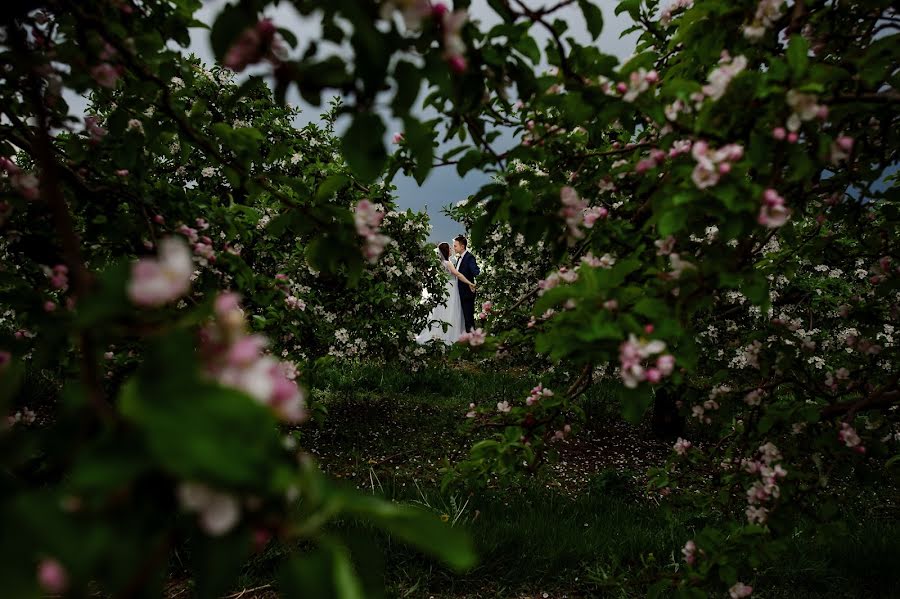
(449, 312)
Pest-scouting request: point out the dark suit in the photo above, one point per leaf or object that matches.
(469, 269)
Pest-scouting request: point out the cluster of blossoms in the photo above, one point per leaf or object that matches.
(656, 158)
(563, 275)
(255, 44)
(840, 149)
(710, 405)
(449, 23)
(767, 13)
(766, 489)
(201, 244)
(712, 164)
(633, 353)
(486, 308)
(848, 436)
(106, 74)
(717, 84)
(59, 277)
(773, 213)
(604, 261)
(720, 77)
(681, 446)
(26, 184)
(235, 359)
(93, 129)
(218, 512)
(804, 107)
(666, 14)
(290, 300)
(474, 337)
(537, 394)
(639, 81)
(24, 416)
(157, 281)
(368, 218)
(576, 213)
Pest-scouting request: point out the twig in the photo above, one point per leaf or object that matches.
(241, 593)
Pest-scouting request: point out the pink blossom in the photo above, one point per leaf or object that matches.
(219, 512)
(52, 576)
(666, 364)
(793, 137)
(95, 131)
(756, 514)
(105, 74)
(454, 47)
(721, 76)
(253, 45)
(592, 215)
(190, 233)
(631, 353)
(681, 446)
(848, 436)
(689, 551)
(235, 359)
(664, 246)
(397, 138)
(740, 590)
(704, 176)
(5, 359)
(804, 108)
(49, 306)
(295, 303)
(474, 338)
(368, 220)
(157, 281)
(59, 278)
(779, 133)
(471, 412)
(504, 407)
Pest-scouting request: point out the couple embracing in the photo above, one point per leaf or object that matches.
(457, 310)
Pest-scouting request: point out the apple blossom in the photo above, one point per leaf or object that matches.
(158, 281)
(52, 576)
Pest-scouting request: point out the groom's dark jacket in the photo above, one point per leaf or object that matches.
(469, 268)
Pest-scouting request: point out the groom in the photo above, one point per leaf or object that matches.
(469, 268)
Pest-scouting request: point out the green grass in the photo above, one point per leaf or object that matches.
(388, 431)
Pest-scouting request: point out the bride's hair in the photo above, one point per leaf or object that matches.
(445, 250)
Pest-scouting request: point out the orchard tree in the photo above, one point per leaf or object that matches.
(172, 266)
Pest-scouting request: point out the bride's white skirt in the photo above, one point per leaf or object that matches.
(450, 312)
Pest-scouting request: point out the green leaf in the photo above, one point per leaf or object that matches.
(635, 402)
(331, 185)
(417, 527)
(409, 80)
(363, 146)
(232, 20)
(632, 7)
(324, 573)
(672, 221)
(798, 54)
(593, 17)
(419, 140)
(195, 429)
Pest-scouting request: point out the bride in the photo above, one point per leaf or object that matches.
(449, 312)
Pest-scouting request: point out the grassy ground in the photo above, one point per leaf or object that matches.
(566, 533)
